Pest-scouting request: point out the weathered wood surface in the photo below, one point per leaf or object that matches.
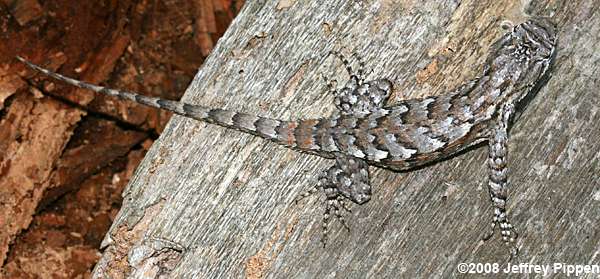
(209, 202)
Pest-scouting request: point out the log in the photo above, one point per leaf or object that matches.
(210, 202)
(59, 145)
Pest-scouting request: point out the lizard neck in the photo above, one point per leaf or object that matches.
(491, 91)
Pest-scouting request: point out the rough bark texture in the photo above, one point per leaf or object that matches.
(66, 154)
(209, 202)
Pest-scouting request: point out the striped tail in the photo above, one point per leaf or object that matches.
(299, 135)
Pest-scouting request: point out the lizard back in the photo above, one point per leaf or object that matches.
(413, 132)
(420, 131)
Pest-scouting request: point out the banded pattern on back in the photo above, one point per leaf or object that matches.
(411, 133)
(395, 136)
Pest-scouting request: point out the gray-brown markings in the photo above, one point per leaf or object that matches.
(411, 133)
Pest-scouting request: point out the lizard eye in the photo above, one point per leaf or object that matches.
(543, 52)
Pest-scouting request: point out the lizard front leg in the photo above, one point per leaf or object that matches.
(359, 97)
(498, 177)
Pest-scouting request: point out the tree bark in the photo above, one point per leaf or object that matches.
(211, 202)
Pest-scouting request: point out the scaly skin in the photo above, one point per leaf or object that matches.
(409, 134)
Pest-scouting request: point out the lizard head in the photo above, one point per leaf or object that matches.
(519, 60)
(536, 35)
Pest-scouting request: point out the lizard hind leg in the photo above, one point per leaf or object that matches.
(347, 180)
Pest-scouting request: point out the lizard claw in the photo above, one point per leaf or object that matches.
(333, 205)
(304, 194)
(508, 233)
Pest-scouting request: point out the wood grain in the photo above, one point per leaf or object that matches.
(208, 202)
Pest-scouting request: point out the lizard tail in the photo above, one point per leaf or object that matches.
(298, 135)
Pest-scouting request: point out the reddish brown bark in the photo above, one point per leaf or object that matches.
(66, 154)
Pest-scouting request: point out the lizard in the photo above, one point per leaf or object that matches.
(409, 134)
